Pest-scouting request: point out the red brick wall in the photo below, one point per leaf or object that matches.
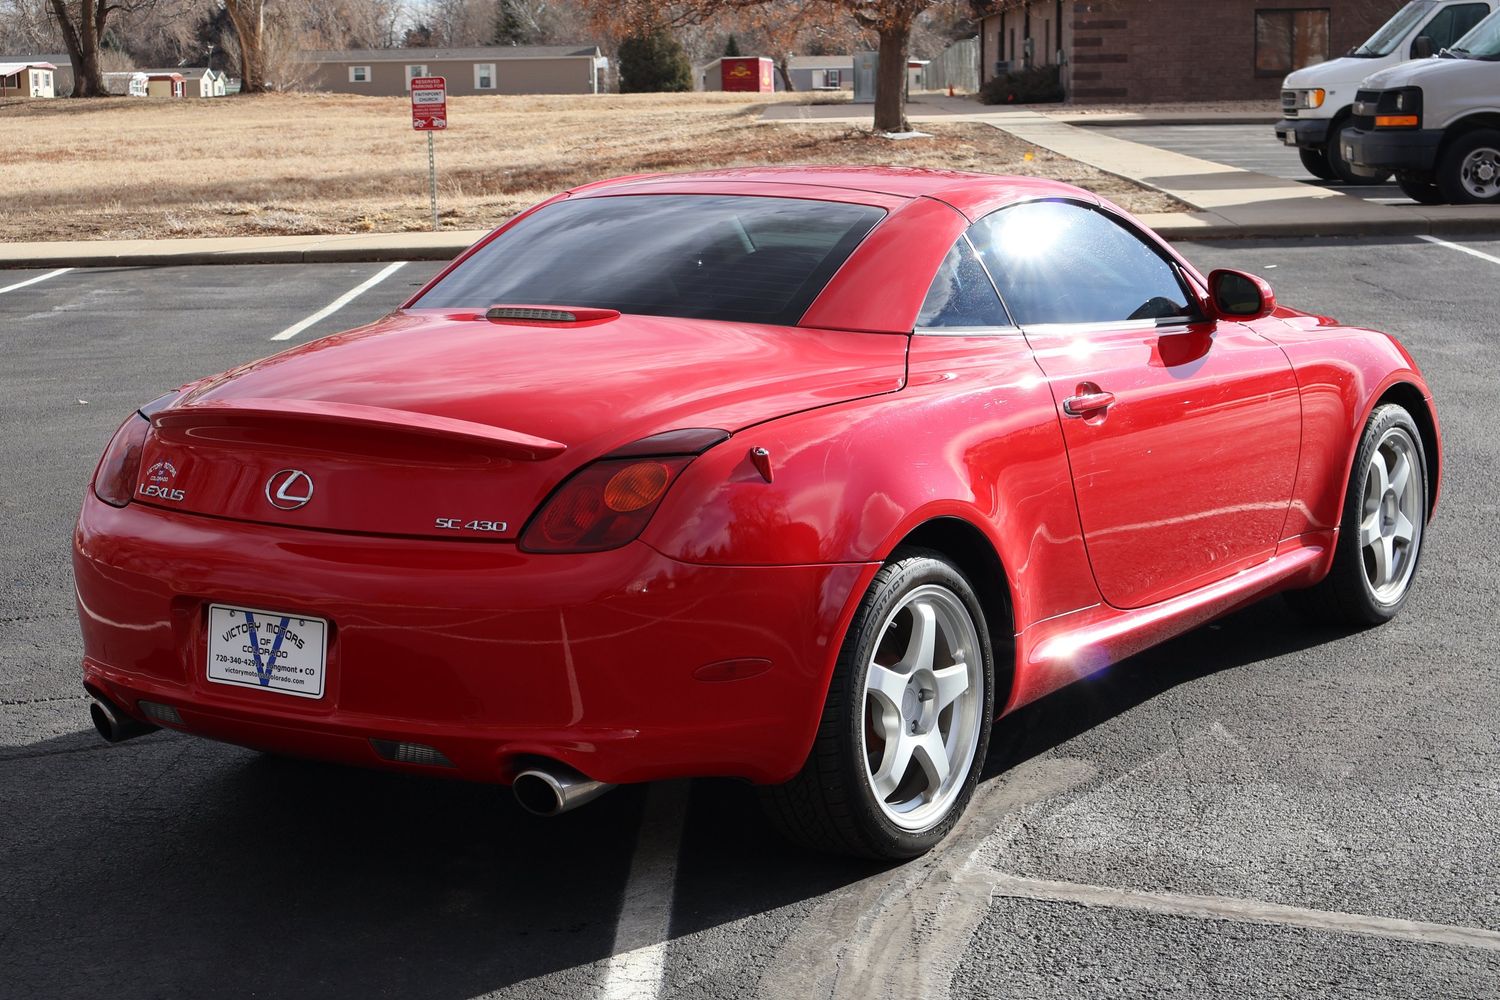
(1144, 51)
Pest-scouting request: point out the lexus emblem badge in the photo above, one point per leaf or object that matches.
(289, 489)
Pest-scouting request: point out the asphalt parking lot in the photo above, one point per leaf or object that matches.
(1249, 147)
(1257, 809)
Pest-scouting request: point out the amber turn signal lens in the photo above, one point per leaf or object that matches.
(602, 506)
(1397, 121)
(636, 486)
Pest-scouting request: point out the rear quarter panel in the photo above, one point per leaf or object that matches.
(974, 435)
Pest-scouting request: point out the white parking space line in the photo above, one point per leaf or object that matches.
(637, 964)
(339, 303)
(32, 281)
(1244, 911)
(1461, 249)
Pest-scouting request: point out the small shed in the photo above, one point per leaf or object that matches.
(198, 81)
(131, 84)
(26, 79)
(165, 84)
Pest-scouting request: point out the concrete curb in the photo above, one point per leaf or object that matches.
(373, 247)
(1175, 227)
(1084, 121)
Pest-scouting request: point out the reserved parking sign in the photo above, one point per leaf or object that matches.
(429, 103)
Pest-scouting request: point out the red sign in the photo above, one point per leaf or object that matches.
(429, 103)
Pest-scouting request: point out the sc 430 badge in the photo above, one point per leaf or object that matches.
(459, 524)
(158, 483)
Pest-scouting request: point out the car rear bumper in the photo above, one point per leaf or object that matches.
(1310, 133)
(626, 665)
(1415, 151)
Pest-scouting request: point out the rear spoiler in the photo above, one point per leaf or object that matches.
(512, 444)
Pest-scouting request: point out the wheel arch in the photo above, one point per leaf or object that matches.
(1411, 398)
(975, 555)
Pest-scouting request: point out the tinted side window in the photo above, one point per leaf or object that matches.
(961, 293)
(1056, 262)
(1452, 24)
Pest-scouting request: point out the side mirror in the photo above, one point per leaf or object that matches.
(1240, 296)
(1421, 48)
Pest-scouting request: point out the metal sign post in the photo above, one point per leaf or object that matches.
(429, 112)
(432, 180)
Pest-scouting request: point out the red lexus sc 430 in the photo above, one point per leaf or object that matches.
(804, 476)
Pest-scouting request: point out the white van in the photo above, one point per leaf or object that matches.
(1318, 101)
(1435, 123)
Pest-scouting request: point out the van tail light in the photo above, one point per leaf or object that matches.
(603, 506)
(114, 480)
(608, 503)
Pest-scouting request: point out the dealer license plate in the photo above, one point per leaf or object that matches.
(270, 650)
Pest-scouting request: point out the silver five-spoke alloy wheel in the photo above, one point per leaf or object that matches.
(1391, 515)
(923, 699)
(1480, 173)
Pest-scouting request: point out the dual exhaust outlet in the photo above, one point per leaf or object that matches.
(546, 789)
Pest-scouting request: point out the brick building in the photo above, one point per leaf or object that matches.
(1173, 50)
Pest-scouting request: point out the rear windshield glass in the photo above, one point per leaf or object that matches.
(744, 259)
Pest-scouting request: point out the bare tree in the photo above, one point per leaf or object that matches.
(890, 21)
(249, 20)
(82, 24)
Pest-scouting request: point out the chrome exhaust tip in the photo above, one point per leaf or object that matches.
(551, 789)
(113, 724)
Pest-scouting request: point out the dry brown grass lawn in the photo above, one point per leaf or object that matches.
(328, 163)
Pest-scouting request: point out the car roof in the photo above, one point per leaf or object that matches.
(973, 194)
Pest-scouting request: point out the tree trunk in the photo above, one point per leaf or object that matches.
(249, 20)
(82, 40)
(784, 70)
(890, 80)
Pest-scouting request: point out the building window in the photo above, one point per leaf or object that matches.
(413, 71)
(831, 79)
(359, 74)
(484, 76)
(1289, 39)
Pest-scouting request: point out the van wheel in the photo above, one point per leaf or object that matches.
(1340, 166)
(1315, 161)
(1421, 189)
(1469, 170)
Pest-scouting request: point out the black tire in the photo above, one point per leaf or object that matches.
(1340, 166)
(1346, 597)
(830, 805)
(1420, 189)
(1315, 162)
(1450, 169)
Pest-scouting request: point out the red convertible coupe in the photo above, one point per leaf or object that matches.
(804, 476)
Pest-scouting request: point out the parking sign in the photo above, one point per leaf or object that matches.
(429, 103)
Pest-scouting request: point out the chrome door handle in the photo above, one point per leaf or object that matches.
(1086, 403)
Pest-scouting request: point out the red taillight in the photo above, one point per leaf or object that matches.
(603, 506)
(114, 480)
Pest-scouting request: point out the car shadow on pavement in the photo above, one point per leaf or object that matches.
(170, 866)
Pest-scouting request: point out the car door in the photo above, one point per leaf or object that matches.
(1182, 432)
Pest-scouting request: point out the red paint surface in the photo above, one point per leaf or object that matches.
(705, 647)
(746, 74)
